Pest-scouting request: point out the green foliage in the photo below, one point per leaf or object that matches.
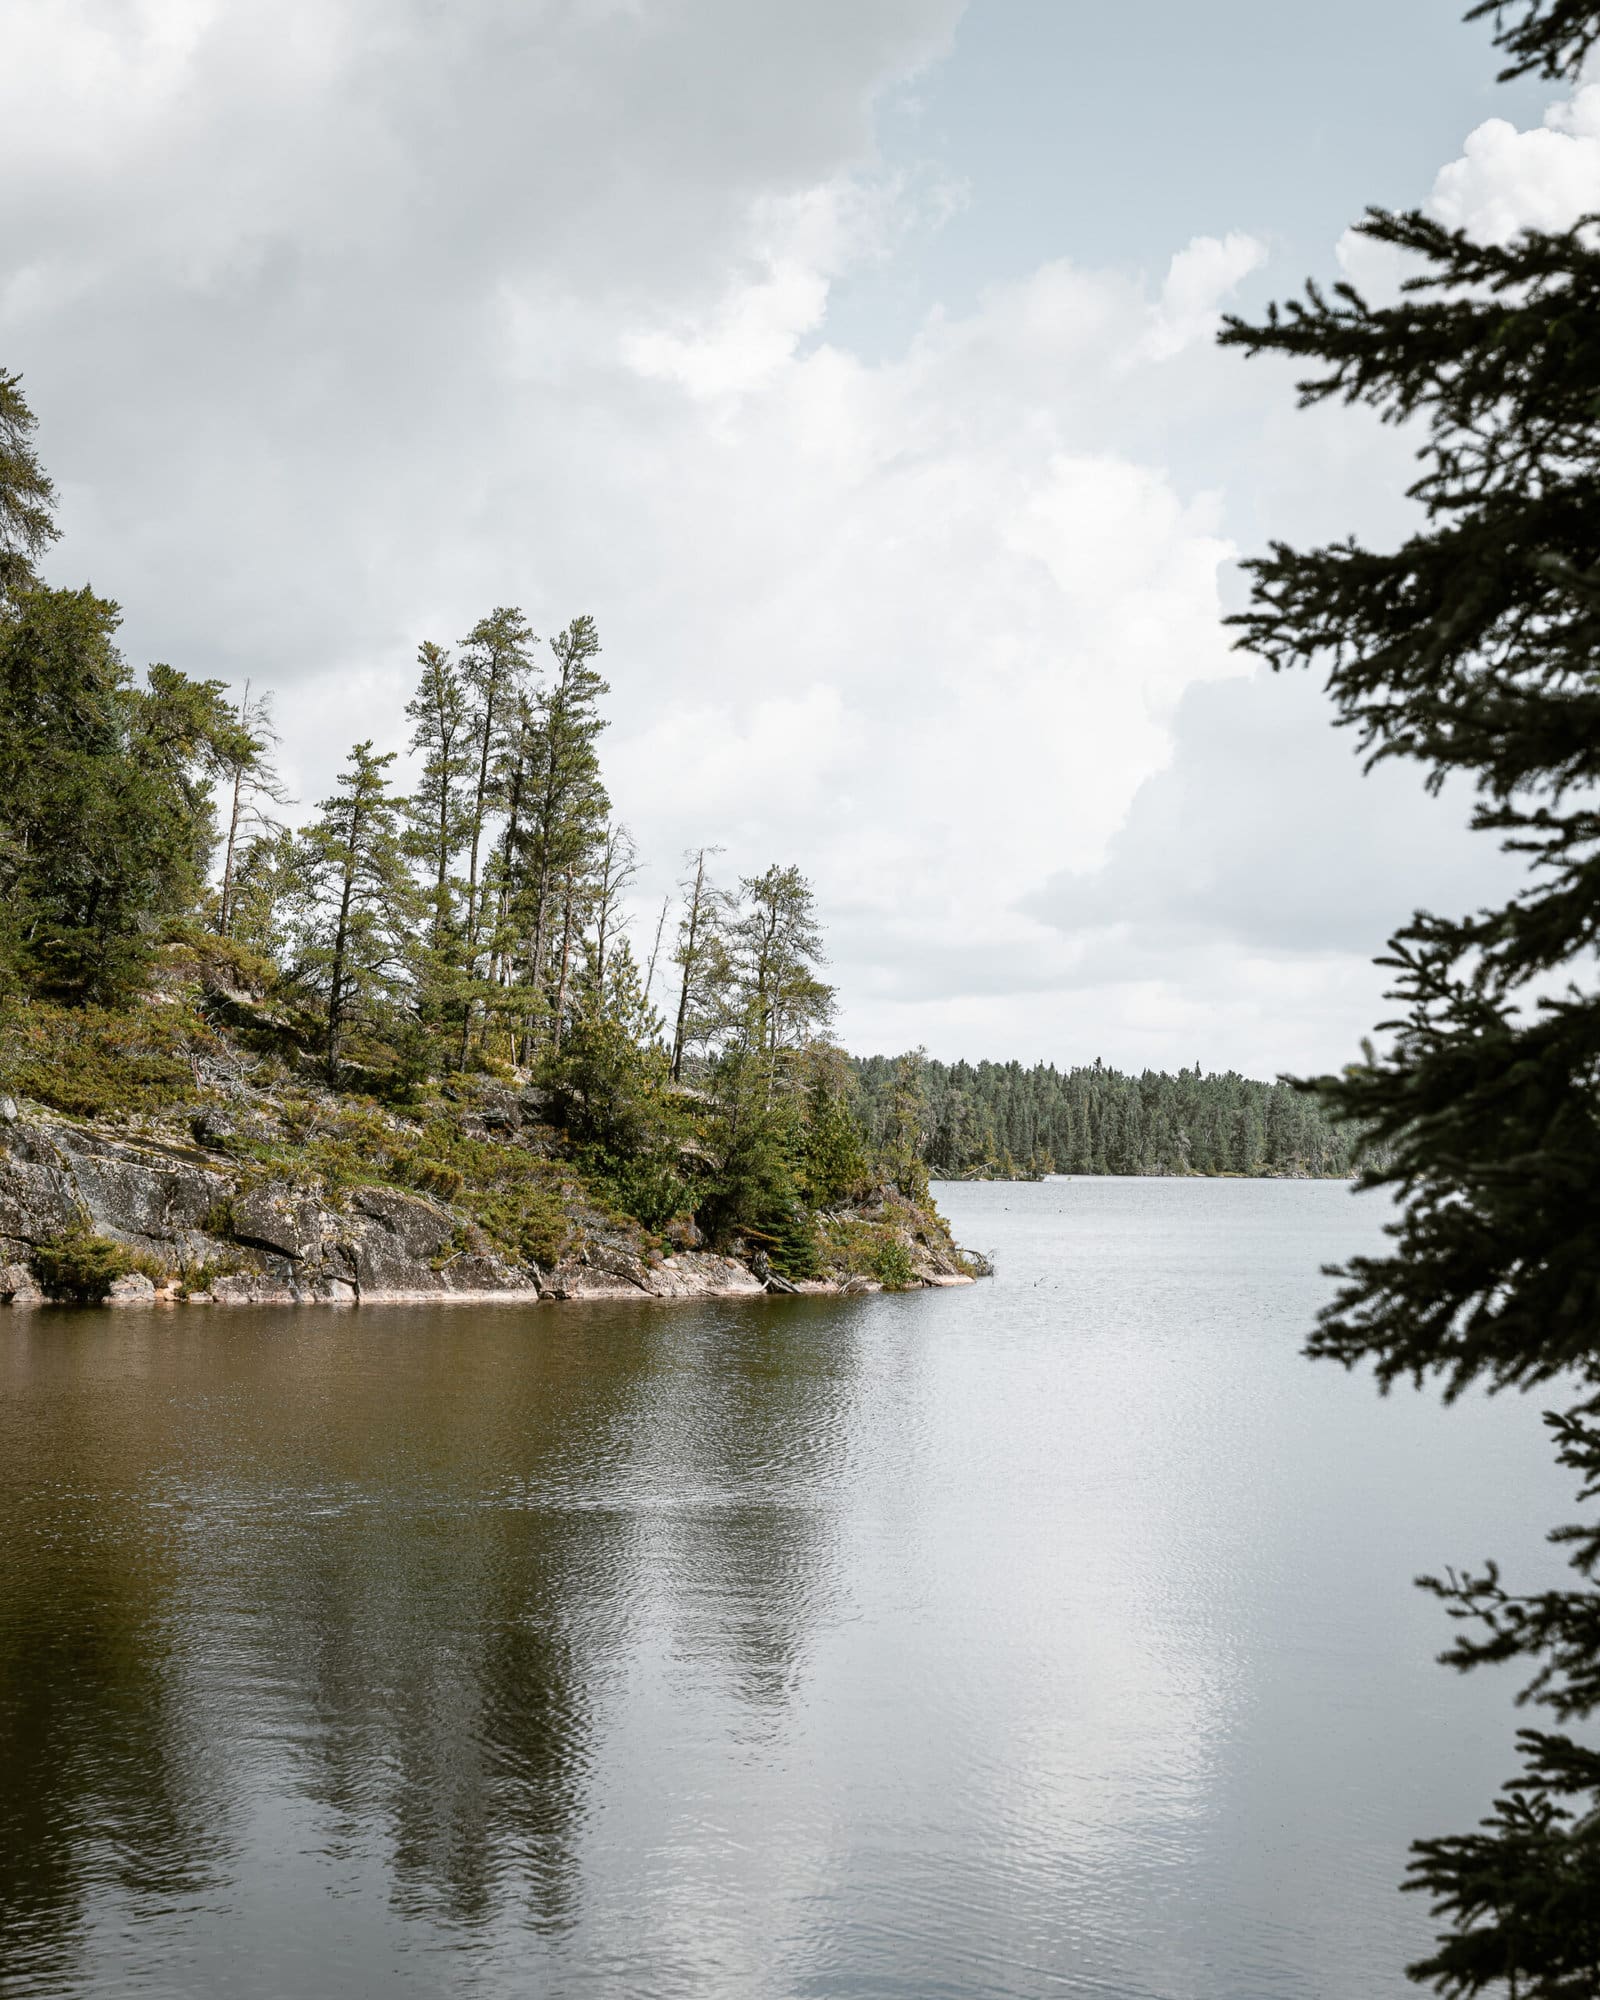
(793, 1249)
(79, 1266)
(1471, 649)
(1549, 38)
(893, 1265)
(1004, 1121)
(95, 1062)
(149, 1265)
(833, 1164)
(358, 912)
(27, 497)
(105, 822)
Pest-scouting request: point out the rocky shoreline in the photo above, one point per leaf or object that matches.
(200, 1227)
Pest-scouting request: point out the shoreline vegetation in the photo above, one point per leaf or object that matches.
(405, 1047)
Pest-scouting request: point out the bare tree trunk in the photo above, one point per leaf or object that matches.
(655, 949)
(566, 961)
(689, 948)
(225, 899)
(341, 939)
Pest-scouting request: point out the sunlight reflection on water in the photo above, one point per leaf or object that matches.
(1049, 1637)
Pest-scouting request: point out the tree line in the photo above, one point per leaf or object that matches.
(1005, 1121)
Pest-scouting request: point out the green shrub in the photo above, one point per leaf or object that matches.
(150, 1264)
(794, 1245)
(894, 1268)
(78, 1265)
(651, 1192)
(435, 1177)
(99, 1062)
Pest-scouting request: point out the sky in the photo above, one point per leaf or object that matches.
(853, 365)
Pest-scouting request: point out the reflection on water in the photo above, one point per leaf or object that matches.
(1050, 1637)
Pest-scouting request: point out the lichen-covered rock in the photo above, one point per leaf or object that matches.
(133, 1290)
(278, 1217)
(253, 1288)
(702, 1274)
(484, 1275)
(38, 1198)
(392, 1242)
(19, 1287)
(186, 1189)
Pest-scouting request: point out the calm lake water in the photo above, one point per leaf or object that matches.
(1052, 1637)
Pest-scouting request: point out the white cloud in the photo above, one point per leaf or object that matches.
(1506, 180)
(1199, 282)
(347, 319)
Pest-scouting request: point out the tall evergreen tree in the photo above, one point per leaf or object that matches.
(105, 800)
(698, 950)
(495, 660)
(777, 942)
(1472, 649)
(448, 746)
(357, 929)
(249, 776)
(27, 496)
(566, 813)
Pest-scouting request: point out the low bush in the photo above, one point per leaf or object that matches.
(99, 1062)
(80, 1266)
(893, 1262)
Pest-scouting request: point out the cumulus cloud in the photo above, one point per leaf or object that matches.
(348, 319)
(1264, 833)
(1259, 861)
(1200, 280)
(1506, 180)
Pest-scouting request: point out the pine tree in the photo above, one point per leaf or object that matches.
(567, 809)
(495, 662)
(360, 907)
(264, 877)
(1471, 649)
(105, 797)
(444, 737)
(249, 776)
(698, 956)
(777, 943)
(834, 1162)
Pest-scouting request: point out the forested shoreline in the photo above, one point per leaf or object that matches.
(365, 976)
(1002, 1121)
(438, 989)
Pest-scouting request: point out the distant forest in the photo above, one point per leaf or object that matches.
(1002, 1121)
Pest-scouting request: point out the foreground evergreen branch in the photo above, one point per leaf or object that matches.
(1473, 649)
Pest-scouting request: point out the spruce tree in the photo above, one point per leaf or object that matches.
(777, 944)
(1472, 649)
(495, 662)
(105, 797)
(27, 495)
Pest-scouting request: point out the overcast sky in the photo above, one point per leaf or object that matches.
(852, 364)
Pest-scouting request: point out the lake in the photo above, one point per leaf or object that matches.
(1053, 1636)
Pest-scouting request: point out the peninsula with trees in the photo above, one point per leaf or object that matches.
(409, 1048)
